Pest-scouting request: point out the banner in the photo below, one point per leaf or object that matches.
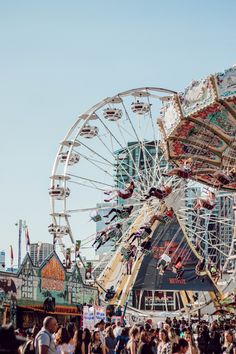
(88, 317)
(100, 314)
(116, 319)
(148, 277)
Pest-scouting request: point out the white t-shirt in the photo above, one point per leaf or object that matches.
(65, 348)
(117, 331)
(45, 338)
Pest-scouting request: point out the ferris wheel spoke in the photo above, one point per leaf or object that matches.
(124, 148)
(132, 159)
(91, 180)
(201, 237)
(87, 186)
(100, 208)
(136, 135)
(96, 165)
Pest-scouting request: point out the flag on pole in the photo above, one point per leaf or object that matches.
(27, 239)
(39, 246)
(68, 258)
(12, 257)
(77, 248)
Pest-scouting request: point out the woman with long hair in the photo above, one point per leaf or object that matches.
(144, 345)
(96, 346)
(173, 336)
(71, 332)
(82, 340)
(132, 345)
(192, 348)
(110, 340)
(164, 346)
(229, 346)
(62, 340)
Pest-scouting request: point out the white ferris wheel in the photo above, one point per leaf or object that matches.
(114, 143)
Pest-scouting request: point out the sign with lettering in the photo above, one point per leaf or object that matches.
(88, 317)
(100, 313)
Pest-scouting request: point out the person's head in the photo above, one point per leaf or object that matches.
(131, 184)
(86, 335)
(125, 332)
(147, 326)
(168, 189)
(229, 336)
(166, 326)
(118, 226)
(171, 333)
(134, 333)
(96, 336)
(188, 337)
(101, 325)
(110, 333)
(144, 337)
(182, 346)
(9, 342)
(50, 324)
(62, 336)
(163, 336)
(118, 324)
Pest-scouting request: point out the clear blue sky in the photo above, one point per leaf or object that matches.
(60, 57)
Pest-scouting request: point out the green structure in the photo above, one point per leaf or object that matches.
(36, 291)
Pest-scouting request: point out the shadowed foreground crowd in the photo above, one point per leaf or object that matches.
(168, 338)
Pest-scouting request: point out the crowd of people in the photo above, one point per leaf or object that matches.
(169, 337)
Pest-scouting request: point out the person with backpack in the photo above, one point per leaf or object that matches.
(122, 340)
(44, 343)
(28, 347)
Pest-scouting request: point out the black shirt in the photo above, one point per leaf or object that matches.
(144, 348)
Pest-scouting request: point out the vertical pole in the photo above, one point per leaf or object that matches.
(140, 299)
(124, 312)
(26, 241)
(165, 297)
(153, 297)
(234, 229)
(19, 243)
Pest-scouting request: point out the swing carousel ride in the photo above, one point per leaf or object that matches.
(126, 173)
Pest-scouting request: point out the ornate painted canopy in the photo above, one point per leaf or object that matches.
(201, 123)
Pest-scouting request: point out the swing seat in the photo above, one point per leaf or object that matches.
(96, 218)
(159, 194)
(123, 251)
(207, 205)
(184, 174)
(144, 235)
(224, 179)
(165, 258)
(125, 195)
(146, 252)
(124, 215)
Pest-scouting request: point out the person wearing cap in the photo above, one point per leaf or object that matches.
(44, 343)
(9, 342)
